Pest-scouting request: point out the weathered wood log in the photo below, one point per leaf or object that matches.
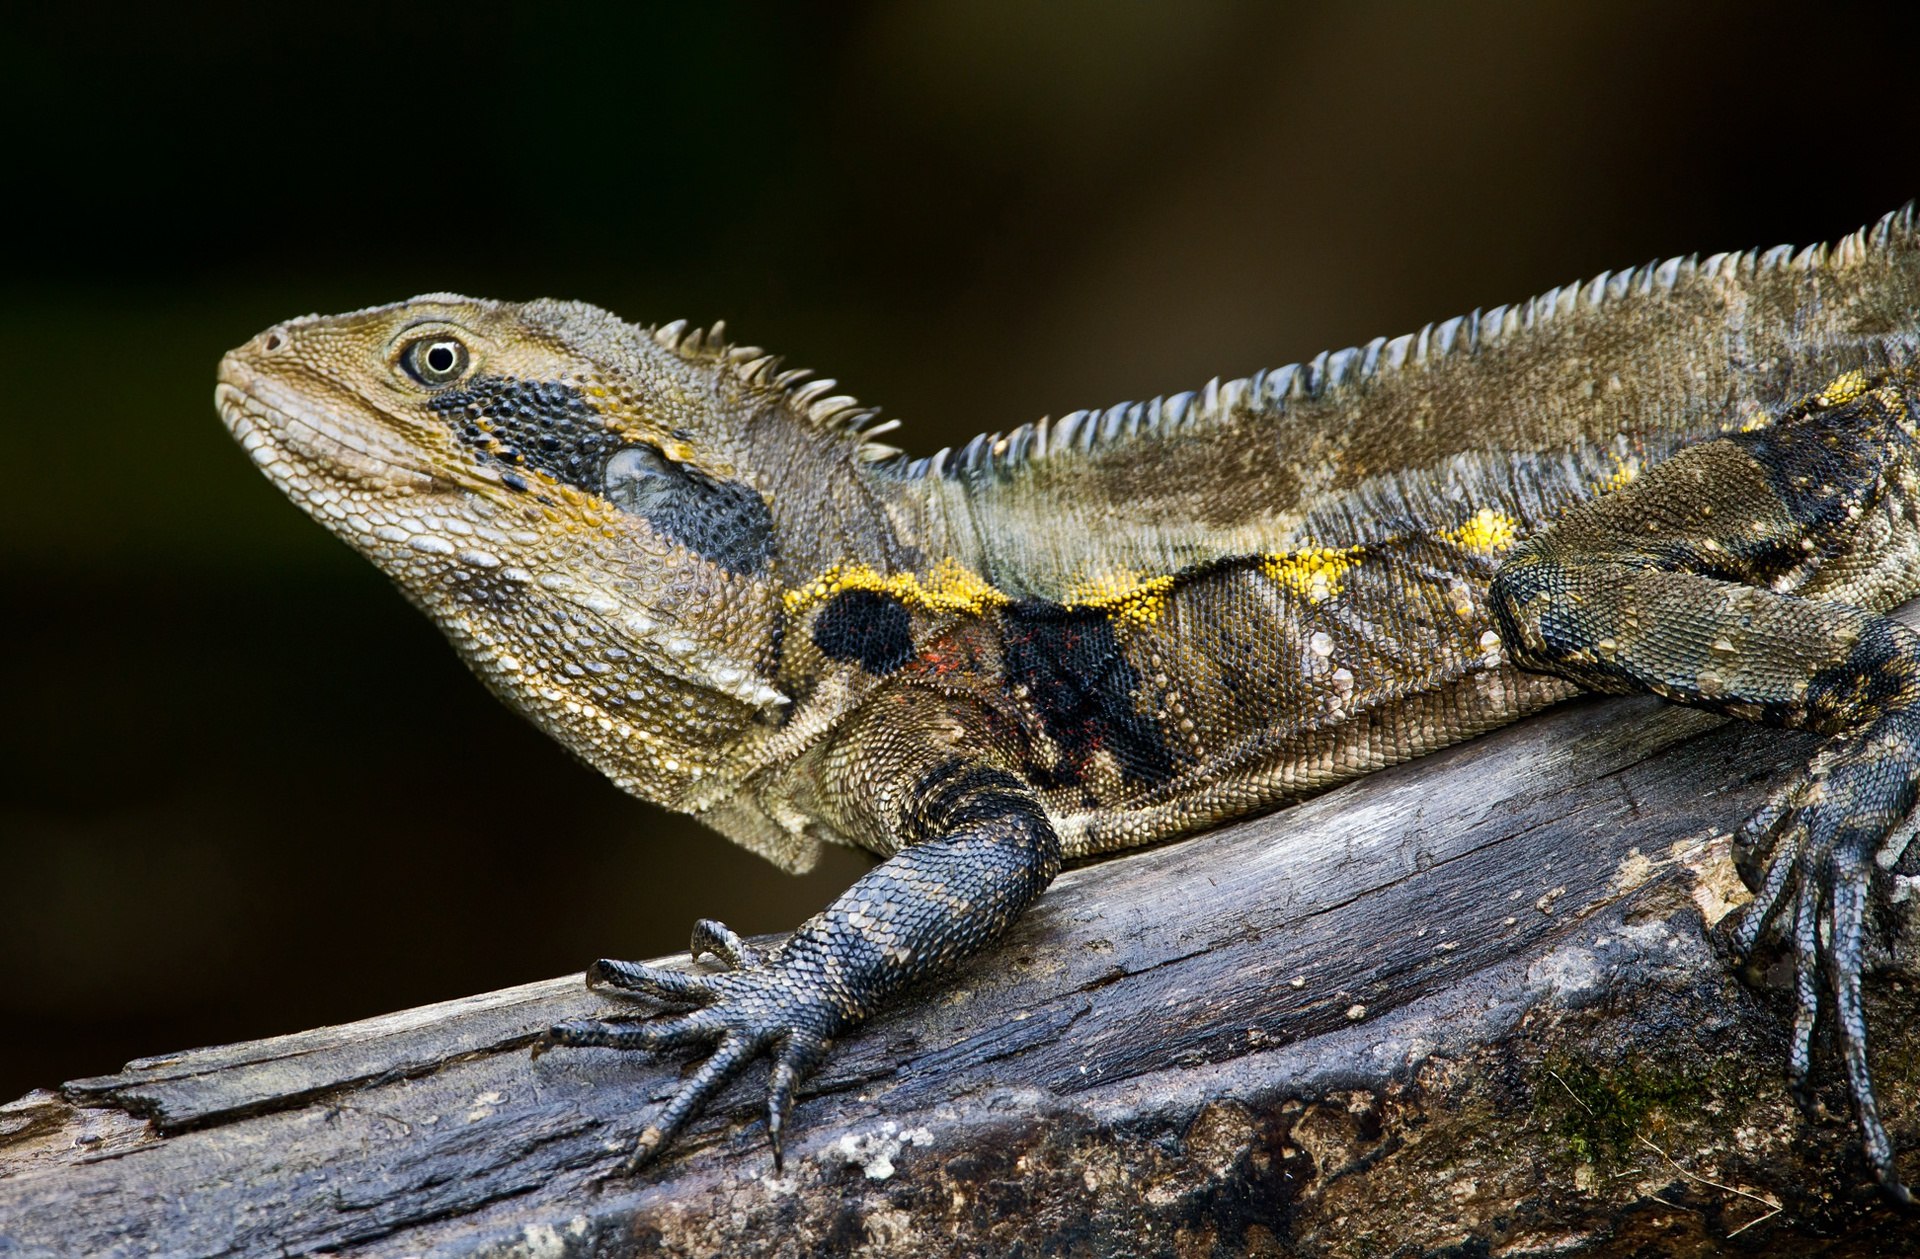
(1477, 1004)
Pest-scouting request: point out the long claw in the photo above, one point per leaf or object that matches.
(780, 1085)
(676, 987)
(1843, 972)
(1782, 865)
(1767, 817)
(797, 1060)
(1806, 984)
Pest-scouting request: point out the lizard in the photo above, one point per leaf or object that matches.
(708, 577)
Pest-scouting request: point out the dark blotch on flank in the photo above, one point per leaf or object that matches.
(866, 628)
(1823, 462)
(1076, 676)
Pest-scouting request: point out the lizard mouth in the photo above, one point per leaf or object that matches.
(301, 448)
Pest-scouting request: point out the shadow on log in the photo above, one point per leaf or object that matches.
(1474, 1005)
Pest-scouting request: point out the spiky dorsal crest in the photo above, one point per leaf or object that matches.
(812, 400)
(1000, 454)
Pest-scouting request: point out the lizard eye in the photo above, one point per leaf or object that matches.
(435, 361)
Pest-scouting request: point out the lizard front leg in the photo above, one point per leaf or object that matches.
(975, 849)
(1727, 579)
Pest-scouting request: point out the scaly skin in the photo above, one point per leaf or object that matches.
(708, 580)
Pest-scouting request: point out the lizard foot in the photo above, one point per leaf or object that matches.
(764, 1003)
(1819, 839)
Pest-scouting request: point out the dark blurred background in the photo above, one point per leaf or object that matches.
(247, 790)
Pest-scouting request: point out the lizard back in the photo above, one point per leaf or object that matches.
(1213, 603)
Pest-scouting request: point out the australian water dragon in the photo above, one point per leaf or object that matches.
(708, 577)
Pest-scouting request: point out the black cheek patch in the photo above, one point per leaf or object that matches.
(531, 424)
(552, 427)
(1075, 675)
(866, 628)
(723, 521)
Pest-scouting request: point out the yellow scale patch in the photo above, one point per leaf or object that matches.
(1624, 471)
(1842, 389)
(1486, 531)
(1137, 601)
(948, 588)
(1316, 572)
(952, 588)
(1839, 391)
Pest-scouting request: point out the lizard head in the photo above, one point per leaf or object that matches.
(586, 507)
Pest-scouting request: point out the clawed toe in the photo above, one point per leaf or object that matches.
(717, 940)
(799, 1056)
(762, 1006)
(698, 1028)
(672, 986)
(1817, 877)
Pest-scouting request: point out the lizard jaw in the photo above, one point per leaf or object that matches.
(344, 476)
(293, 445)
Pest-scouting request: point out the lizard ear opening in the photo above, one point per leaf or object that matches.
(639, 480)
(724, 522)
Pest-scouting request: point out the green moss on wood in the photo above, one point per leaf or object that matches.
(1598, 1111)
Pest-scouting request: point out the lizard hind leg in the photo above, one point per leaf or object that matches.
(1688, 583)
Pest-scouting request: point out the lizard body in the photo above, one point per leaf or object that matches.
(706, 577)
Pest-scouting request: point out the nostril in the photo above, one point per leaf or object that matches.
(274, 341)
